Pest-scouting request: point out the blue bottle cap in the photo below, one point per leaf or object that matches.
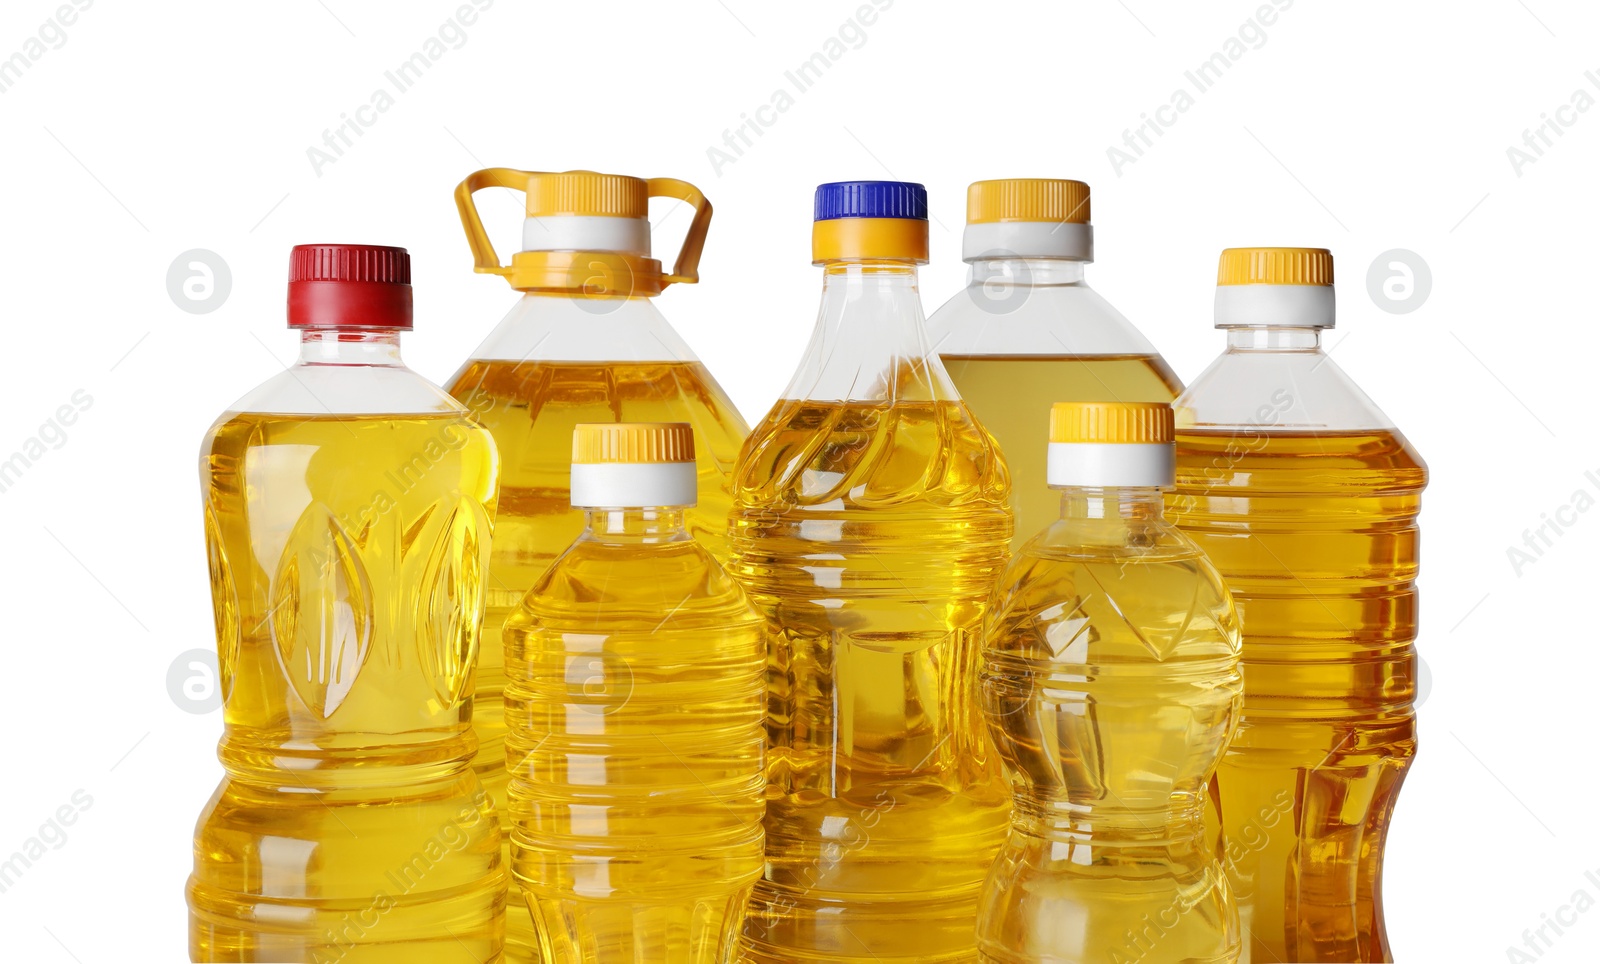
(871, 199)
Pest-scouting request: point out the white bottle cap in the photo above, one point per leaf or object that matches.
(1028, 217)
(586, 211)
(1111, 444)
(1275, 287)
(580, 232)
(1027, 239)
(629, 465)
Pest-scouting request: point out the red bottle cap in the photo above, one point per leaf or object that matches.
(349, 286)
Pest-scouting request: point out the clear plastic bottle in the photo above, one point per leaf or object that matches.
(1305, 496)
(1028, 331)
(870, 521)
(348, 504)
(1111, 684)
(634, 702)
(584, 343)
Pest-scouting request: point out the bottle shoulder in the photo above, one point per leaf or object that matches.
(840, 456)
(1117, 543)
(532, 404)
(335, 390)
(572, 328)
(1148, 540)
(1162, 601)
(1009, 318)
(1278, 391)
(609, 587)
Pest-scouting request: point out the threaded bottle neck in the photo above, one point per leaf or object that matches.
(1033, 272)
(1275, 339)
(636, 526)
(350, 346)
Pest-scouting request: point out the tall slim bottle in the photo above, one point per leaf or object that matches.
(583, 343)
(1111, 685)
(1305, 496)
(634, 700)
(870, 521)
(348, 504)
(1027, 331)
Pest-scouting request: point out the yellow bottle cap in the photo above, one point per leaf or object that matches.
(890, 239)
(632, 443)
(1028, 199)
(1275, 266)
(1099, 423)
(587, 193)
(590, 234)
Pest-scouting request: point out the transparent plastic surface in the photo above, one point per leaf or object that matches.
(1029, 332)
(1111, 685)
(347, 373)
(634, 708)
(1277, 380)
(347, 556)
(870, 521)
(1305, 497)
(554, 361)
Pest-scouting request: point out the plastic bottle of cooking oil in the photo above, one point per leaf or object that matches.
(348, 504)
(1305, 496)
(634, 702)
(1111, 685)
(1028, 331)
(584, 343)
(870, 521)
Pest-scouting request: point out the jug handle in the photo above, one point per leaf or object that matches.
(687, 268)
(485, 260)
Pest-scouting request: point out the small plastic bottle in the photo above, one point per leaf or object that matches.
(1305, 495)
(348, 504)
(1111, 685)
(634, 706)
(1028, 331)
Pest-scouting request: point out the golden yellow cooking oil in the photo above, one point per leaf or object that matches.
(634, 709)
(1012, 394)
(1111, 686)
(531, 408)
(1114, 687)
(634, 704)
(347, 558)
(1316, 535)
(1028, 331)
(584, 342)
(870, 534)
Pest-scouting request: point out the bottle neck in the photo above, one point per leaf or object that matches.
(1106, 516)
(871, 286)
(350, 346)
(636, 526)
(1275, 339)
(870, 343)
(1036, 272)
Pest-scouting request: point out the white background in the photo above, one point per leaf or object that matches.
(1360, 126)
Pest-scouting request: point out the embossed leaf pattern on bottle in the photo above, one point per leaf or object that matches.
(225, 605)
(322, 611)
(451, 598)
